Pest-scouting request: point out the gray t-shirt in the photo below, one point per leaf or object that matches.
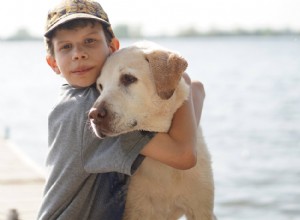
(87, 177)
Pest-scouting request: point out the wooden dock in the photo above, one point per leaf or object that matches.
(21, 184)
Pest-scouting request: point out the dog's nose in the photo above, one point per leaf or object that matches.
(97, 113)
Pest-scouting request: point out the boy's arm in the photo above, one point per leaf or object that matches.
(177, 148)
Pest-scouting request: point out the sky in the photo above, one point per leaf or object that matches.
(164, 16)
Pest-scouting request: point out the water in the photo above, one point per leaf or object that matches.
(251, 116)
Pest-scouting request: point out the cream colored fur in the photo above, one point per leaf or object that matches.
(134, 97)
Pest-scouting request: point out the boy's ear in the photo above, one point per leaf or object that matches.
(52, 63)
(114, 45)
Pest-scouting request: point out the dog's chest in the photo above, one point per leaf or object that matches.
(160, 178)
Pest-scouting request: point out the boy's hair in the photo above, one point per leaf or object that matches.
(69, 14)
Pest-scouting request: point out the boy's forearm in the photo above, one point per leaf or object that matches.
(183, 128)
(177, 148)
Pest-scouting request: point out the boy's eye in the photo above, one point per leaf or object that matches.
(66, 46)
(89, 41)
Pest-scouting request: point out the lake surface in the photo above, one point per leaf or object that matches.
(251, 115)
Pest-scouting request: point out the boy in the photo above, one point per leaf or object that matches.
(88, 177)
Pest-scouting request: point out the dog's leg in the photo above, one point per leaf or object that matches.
(175, 215)
(204, 216)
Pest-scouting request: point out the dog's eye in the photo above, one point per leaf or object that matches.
(99, 86)
(128, 79)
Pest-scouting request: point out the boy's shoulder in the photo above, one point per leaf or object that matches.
(74, 100)
(78, 95)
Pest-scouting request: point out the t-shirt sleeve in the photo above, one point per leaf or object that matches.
(113, 154)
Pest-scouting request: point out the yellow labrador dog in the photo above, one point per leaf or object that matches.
(141, 88)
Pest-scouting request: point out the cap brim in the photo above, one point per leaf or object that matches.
(73, 17)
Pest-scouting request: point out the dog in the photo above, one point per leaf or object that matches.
(141, 87)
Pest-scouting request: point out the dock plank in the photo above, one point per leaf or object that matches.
(21, 185)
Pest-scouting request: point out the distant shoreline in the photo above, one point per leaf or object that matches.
(126, 32)
(225, 35)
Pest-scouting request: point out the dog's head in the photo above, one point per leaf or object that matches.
(140, 89)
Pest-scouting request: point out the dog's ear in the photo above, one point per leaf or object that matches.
(167, 69)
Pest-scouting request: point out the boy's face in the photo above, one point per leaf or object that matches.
(80, 54)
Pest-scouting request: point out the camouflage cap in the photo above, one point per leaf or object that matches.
(69, 10)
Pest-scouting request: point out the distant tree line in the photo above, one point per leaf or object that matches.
(22, 34)
(193, 32)
(128, 31)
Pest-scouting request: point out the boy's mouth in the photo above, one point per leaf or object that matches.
(81, 70)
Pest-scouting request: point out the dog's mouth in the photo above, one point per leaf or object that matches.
(108, 124)
(100, 135)
(102, 131)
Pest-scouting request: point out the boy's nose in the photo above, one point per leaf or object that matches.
(79, 53)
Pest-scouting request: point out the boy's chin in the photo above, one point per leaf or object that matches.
(81, 85)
